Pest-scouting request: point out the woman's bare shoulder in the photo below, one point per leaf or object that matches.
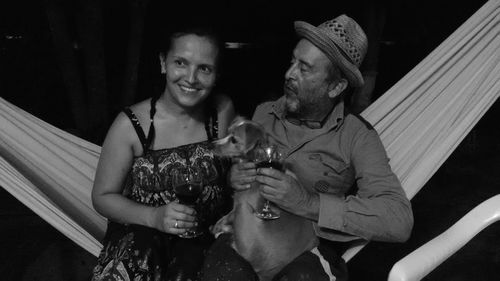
(223, 103)
(122, 128)
(141, 109)
(225, 112)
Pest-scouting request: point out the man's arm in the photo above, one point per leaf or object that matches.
(380, 209)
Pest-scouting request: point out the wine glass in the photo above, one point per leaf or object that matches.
(188, 185)
(268, 156)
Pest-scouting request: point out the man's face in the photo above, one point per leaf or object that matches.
(307, 82)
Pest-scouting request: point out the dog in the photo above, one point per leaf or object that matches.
(268, 245)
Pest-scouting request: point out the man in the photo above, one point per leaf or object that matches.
(338, 174)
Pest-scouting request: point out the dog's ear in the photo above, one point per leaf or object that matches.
(237, 121)
(254, 134)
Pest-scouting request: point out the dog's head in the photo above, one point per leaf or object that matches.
(243, 136)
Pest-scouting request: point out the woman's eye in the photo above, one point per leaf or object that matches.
(206, 69)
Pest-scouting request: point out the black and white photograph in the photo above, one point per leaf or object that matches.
(154, 140)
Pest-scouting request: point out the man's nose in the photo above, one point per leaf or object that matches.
(290, 73)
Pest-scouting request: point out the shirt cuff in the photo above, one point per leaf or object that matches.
(331, 212)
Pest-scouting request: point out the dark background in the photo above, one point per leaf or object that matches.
(75, 64)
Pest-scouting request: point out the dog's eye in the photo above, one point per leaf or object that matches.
(232, 139)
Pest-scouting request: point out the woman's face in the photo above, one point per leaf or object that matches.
(190, 68)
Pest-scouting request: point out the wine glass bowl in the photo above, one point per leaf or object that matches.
(268, 156)
(187, 186)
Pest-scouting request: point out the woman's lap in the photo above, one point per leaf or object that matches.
(132, 251)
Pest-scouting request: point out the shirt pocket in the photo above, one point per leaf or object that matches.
(332, 175)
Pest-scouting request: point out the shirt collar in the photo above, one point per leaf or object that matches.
(333, 120)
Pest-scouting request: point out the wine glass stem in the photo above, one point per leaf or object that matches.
(266, 206)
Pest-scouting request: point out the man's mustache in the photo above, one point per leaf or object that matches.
(290, 87)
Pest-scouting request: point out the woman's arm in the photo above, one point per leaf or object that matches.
(114, 164)
(225, 112)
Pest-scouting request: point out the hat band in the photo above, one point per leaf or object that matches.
(343, 53)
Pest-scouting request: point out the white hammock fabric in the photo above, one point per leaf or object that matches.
(421, 120)
(426, 115)
(51, 172)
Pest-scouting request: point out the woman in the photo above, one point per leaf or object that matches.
(133, 186)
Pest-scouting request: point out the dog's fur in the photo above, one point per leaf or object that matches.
(268, 245)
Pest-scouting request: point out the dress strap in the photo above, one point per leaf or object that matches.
(152, 112)
(137, 127)
(212, 123)
(146, 142)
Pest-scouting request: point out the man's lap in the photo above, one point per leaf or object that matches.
(223, 263)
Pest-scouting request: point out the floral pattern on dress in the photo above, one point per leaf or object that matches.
(152, 176)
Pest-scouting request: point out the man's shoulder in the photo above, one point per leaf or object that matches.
(356, 121)
(264, 108)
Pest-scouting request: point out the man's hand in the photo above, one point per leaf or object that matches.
(242, 174)
(287, 192)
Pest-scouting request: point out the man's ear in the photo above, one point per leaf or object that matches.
(338, 88)
(163, 63)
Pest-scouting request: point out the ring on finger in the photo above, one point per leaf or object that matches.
(176, 225)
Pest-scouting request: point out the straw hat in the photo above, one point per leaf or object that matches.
(343, 42)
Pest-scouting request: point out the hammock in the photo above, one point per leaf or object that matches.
(421, 120)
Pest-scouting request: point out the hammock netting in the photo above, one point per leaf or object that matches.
(421, 120)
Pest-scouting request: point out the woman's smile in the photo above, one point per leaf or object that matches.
(189, 90)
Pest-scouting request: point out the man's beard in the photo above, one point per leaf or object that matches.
(305, 109)
(292, 104)
(292, 101)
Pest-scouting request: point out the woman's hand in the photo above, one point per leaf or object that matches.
(242, 174)
(174, 218)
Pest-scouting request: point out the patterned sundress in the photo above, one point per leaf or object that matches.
(134, 252)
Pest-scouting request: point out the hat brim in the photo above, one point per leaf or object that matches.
(321, 40)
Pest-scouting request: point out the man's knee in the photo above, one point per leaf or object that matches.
(306, 267)
(315, 265)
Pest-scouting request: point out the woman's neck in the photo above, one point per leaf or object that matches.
(170, 109)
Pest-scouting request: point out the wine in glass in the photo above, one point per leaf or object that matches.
(268, 156)
(188, 186)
